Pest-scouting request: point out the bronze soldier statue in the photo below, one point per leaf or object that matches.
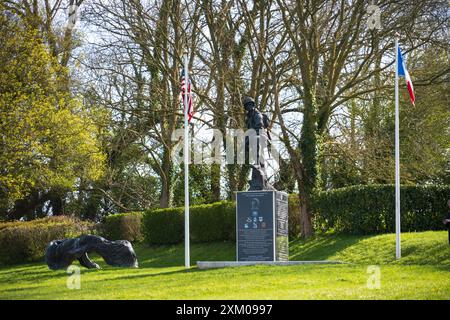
(258, 121)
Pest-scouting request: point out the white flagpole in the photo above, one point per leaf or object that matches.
(187, 258)
(398, 252)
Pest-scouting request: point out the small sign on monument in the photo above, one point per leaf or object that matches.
(262, 226)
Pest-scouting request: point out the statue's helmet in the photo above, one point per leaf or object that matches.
(248, 103)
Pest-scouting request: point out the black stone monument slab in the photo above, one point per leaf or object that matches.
(262, 226)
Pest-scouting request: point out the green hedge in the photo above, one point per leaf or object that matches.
(123, 226)
(26, 241)
(371, 209)
(354, 210)
(209, 222)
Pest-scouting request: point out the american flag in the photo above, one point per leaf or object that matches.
(189, 98)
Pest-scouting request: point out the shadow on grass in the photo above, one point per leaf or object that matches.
(173, 256)
(421, 248)
(435, 254)
(148, 257)
(152, 275)
(36, 266)
(36, 274)
(321, 246)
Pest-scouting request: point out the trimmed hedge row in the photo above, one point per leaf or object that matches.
(25, 241)
(354, 210)
(123, 226)
(371, 209)
(209, 222)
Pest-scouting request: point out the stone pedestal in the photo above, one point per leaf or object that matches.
(262, 226)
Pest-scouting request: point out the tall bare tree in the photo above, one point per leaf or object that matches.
(335, 53)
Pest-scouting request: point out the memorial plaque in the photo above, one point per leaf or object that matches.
(281, 232)
(261, 226)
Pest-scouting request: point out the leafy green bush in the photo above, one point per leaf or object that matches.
(123, 226)
(209, 222)
(25, 241)
(371, 209)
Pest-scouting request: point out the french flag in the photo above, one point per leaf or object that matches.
(404, 73)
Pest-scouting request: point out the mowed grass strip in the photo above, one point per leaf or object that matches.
(423, 273)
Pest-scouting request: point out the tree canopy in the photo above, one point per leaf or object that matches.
(48, 140)
(89, 105)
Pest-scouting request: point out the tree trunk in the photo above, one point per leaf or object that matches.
(310, 151)
(220, 124)
(306, 227)
(166, 178)
(56, 203)
(165, 196)
(305, 221)
(215, 183)
(25, 207)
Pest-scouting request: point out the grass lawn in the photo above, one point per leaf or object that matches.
(422, 273)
